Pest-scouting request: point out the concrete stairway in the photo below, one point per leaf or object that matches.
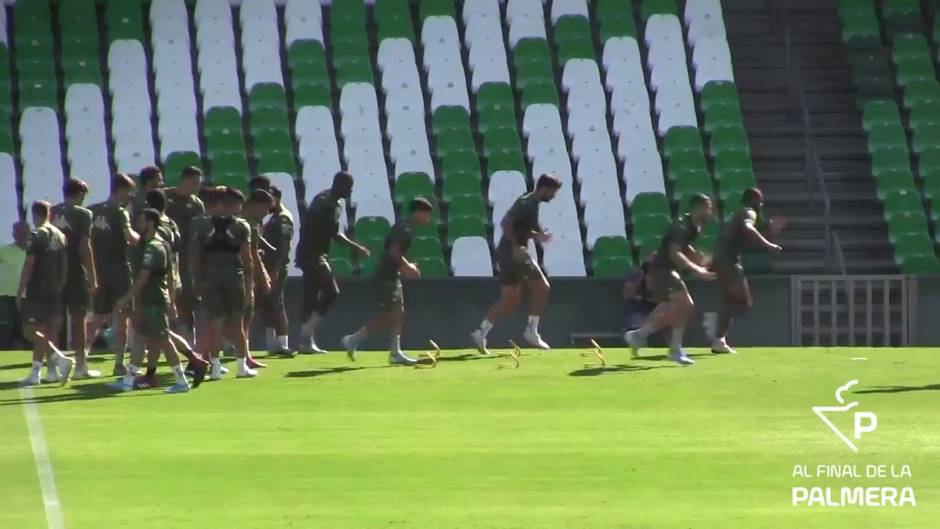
(773, 115)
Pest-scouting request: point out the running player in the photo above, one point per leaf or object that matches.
(321, 225)
(740, 231)
(81, 282)
(208, 340)
(182, 205)
(150, 178)
(39, 294)
(111, 233)
(674, 303)
(278, 232)
(223, 269)
(152, 296)
(516, 266)
(393, 265)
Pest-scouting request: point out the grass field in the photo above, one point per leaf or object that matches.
(319, 442)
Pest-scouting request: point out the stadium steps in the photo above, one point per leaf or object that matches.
(774, 124)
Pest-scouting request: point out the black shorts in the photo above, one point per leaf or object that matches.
(41, 308)
(317, 277)
(389, 294)
(733, 285)
(515, 268)
(75, 298)
(272, 303)
(112, 286)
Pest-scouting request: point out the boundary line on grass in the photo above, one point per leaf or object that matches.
(37, 439)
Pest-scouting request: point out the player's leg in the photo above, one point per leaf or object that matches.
(198, 365)
(395, 318)
(235, 332)
(56, 321)
(46, 347)
(735, 301)
(247, 317)
(540, 289)
(30, 332)
(275, 320)
(674, 308)
(320, 293)
(510, 277)
(164, 342)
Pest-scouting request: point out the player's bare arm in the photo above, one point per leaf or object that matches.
(136, 289)
(678, 256)
(194, 262)
(25, 275)
(88, 259)
(407, 268)
(751, 227)
(342, 238)
(249, 265)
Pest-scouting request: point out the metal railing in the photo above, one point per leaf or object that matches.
(813, 172)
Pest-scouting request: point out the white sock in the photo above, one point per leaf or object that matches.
(486, 327)
(270, 338)
(243, 364)
(180, 375)
(282, 342)
(534, 323)
(360, 335)
(675, 343)
(395, 346)
(34, 372)
(645, 330)
(309, 328)
(216, 364)
(57, 354)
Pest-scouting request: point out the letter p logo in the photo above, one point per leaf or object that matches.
(865, 422)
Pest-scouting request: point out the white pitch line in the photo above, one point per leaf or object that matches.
(50, 495)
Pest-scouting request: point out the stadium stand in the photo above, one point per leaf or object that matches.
(633, 105)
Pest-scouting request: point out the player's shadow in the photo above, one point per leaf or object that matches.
(611, 369)
(80, 392)
(466, 357)
(310, 373)
(898, 389)
(24, 367)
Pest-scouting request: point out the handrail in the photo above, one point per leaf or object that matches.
(813, 167)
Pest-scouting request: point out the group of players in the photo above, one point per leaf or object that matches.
(178, 271)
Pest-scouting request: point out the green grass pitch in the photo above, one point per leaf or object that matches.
(320, 442)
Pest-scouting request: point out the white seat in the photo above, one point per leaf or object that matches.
(579, 72)
(701, 9)
(358, 99)
(207, 11)
(3, 32)
(86, 138)
(706, 27)
(540, 117)
(712, 61)
(675, 106)
(561, 8)
(506, 185)
(603, 222)
(523, 8)
(41, 155)
(643, 173)
(376, 206)
(257, 10)
(304, 21)
(261, 57)
(9, 207)
(529, 27)
(475, 9)
(470, 257)
(166, 15)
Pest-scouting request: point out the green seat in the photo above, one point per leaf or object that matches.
(728, 139)
(459, 185)
(267, 140)
(501, 140)
(906, 222)
(723, 116)
(902, 201)
(267, 96)
(425, 247)
(658, 7)
(345, 14)
(124, 20)
(886, 137)
(929, 161)
(650, 204)
(38, 92)
(685, 200)
(496, 118)
(494, 97)
(465, 227)
(436, 8)
(860, 29)
(647, 228)
(505, 160)
(396, 28)
(359, 72)
(270, 120)
(531, 50)
(889, 159)
(228, 162)
(915, 70)
(927, 113)
(176, 162)
(372, 228)
(925, 137)
(341, 267)
(894, 180)
(682, 139)
(719, 94)
(613, 266)
(911, 244)
(411, 185)
(689, 183)
(573, 39)
(880, 113)
(921, 92)
(277, 161)
(735, 182)
(616, 19)
(540, 93)
(467, 206)
(684, 162)
(432, 267)
(450, 118)
(462, 163)
(902, 16)
(610, 246)
(81, 70)
(920, 265)
(732, 161)
(909, 46)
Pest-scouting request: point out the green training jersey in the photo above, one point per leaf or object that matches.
(400, 234)
(110, 222)
(220, 240)
(75, 223)
(522, 219)
(682, 232)
(279, 232)
(183, 209)
(320, 226)
(156, 258)
(734, 237)
(48, 247)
